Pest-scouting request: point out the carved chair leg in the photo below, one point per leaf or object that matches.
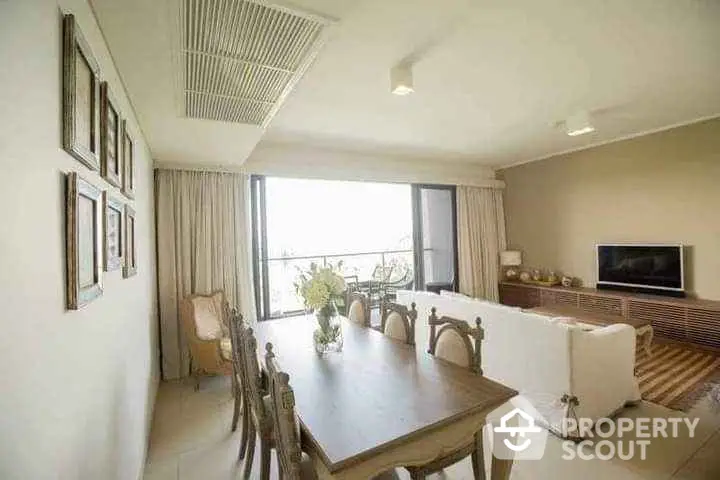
(265, 449)
(250, 454)
(236, 410)
(245, 431)
(477, 458)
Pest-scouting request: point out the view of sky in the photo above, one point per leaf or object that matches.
(319, 217)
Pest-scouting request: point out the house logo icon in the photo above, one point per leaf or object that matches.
(521, 432)
(514, 430)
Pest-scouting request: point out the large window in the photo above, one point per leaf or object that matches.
(372, 228)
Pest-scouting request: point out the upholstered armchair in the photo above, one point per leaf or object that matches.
(205, 322)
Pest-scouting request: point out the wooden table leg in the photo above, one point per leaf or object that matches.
(478, 458)
(500, 469)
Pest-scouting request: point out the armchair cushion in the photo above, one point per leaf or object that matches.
(226, 348)
(208, 317)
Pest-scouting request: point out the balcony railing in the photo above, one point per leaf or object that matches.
(283, 271)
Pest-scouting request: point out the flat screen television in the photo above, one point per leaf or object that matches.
(654, 269)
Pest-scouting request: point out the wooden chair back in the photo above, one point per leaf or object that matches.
(285, 424)
(456, 341)
(235, 321)
(358, 308)
(251, 375)
(398, 322)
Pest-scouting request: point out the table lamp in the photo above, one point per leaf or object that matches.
(511, 259)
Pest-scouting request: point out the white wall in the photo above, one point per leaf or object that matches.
(304, 161)
(77, 388)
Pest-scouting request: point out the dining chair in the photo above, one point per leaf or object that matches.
(204, 320)
(358, 308)
(398, 322)
(240, 408)
(293, 463)
(452, 342)
(457, 342)
(259, 422)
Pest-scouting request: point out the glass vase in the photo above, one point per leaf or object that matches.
(328, 335)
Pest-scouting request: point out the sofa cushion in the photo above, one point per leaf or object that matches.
(448, 293)
(226, 348)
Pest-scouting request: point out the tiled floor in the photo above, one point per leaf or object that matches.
(191, 440)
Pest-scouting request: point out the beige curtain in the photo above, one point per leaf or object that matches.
(203, 241)
(481, 238)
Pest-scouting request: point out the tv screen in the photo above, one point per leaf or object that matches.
(646, 266)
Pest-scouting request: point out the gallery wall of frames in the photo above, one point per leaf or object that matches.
(99, 219)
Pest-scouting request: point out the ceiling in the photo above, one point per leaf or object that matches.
(492, 79)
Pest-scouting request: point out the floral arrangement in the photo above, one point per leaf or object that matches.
(320, 286)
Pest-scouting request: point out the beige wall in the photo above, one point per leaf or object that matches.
(658, 188)
(76, 388)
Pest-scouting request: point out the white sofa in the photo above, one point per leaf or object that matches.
(543, 358)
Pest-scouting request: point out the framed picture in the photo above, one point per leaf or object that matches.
(130, 267)
(83, 247)
(113, 241)
(111, 165)
(128, 152)
(81, 97)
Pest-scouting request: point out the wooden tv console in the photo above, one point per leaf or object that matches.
(684, 319)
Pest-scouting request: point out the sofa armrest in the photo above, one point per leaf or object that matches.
(602, 374)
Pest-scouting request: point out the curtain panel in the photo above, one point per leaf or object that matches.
(481, 238)
(203, 242)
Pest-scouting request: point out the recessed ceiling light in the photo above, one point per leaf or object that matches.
(578, 125)
(401, 80)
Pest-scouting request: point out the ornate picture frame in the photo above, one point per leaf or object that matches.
(130, 267)
(83, 250)
(128, 153)
(113, 233)
(81, 97)
(111, 160)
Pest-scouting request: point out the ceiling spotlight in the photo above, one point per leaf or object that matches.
(578, 125)
(401, 80)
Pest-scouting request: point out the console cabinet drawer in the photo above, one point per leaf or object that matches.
(519, 296)
(687, 320)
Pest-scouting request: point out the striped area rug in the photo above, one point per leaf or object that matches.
(676, 376)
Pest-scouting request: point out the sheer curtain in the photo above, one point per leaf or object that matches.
(203, 241)
(481, 238)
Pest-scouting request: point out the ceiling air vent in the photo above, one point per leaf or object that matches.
(241, 58)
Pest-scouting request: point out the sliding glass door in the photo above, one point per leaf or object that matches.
(435, 237)
(382, 237)
(365, 229)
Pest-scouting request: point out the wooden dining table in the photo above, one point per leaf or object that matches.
(379, 403)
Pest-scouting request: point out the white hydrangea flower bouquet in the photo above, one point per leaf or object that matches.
(319, 288)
